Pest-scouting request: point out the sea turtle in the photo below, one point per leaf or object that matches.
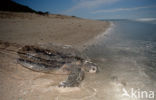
(64, 58)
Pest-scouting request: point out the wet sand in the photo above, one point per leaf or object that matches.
(19, 83)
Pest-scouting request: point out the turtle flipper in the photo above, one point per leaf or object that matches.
(74, 78)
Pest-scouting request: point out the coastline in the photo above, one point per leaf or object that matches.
(99, 37)
(29, 28)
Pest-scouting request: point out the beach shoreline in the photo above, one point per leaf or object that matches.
(30, 28)
(19, 83)
(99, 37)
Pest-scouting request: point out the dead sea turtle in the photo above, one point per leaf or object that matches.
(63, 58)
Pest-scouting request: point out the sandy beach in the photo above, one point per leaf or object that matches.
(77, 50)
(28, 28)
(19, 83)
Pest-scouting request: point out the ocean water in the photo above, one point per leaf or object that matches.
(127, 60)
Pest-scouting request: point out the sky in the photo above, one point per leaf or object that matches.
(96, 9)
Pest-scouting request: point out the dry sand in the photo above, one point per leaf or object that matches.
(18, 83)
(31, 28)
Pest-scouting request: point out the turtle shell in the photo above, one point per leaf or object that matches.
(40, 58)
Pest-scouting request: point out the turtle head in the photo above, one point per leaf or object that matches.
(90, 67)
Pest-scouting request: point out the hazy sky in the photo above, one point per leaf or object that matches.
(96, 9)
